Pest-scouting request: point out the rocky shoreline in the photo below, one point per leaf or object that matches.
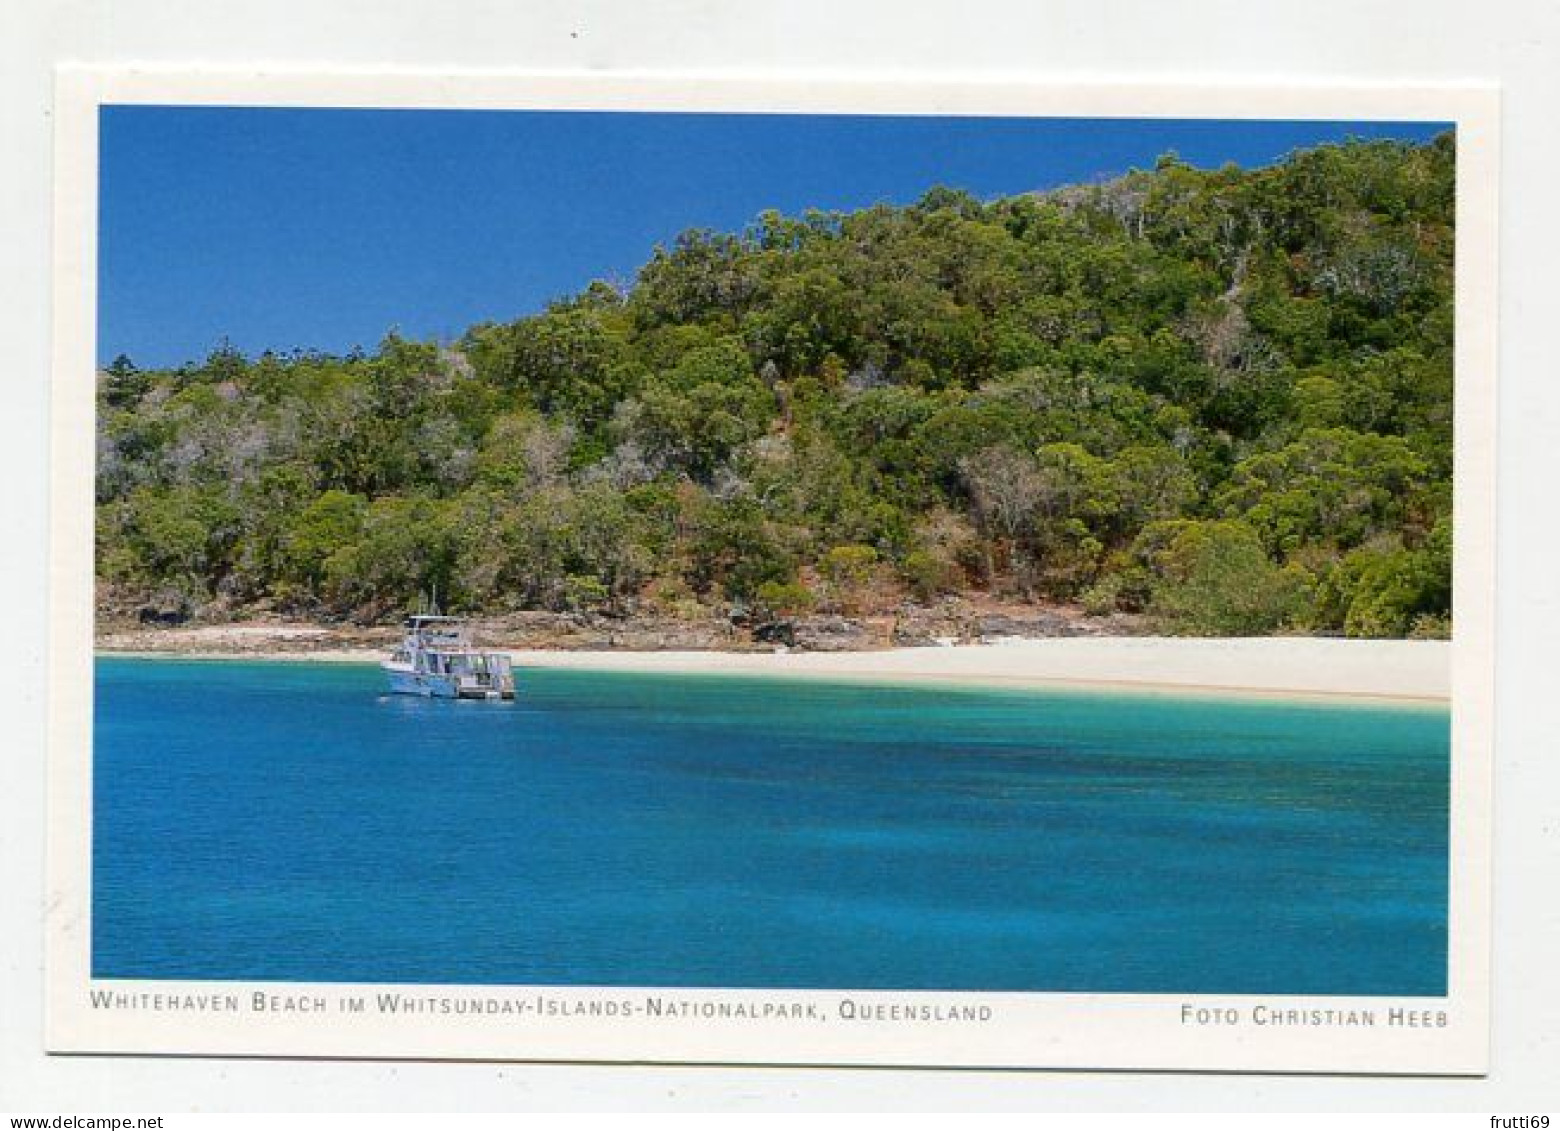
(953, 622)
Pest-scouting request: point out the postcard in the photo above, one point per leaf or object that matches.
(689, 571)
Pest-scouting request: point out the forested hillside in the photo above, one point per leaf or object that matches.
(1222, 399)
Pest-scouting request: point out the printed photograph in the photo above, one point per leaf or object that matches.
(773, 551)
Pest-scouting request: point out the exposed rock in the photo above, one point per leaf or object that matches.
(831, 634)
(1041, 623)
(657, 635)
(168, 623)
(164, 616)
(584, 631)
(776, 632)
(168, 607)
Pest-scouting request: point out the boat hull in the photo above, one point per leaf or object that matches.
(431, 685)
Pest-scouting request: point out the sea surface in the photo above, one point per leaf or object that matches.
(289, 821)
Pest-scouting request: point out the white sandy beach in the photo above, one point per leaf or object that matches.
(1396, 669)
(1406, 669)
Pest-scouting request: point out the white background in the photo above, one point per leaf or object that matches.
(1516, 44)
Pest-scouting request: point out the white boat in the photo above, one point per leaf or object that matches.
(436, 659)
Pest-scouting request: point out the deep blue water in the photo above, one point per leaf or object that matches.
(288, 821)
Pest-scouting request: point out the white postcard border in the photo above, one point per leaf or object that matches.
(1103, 1031)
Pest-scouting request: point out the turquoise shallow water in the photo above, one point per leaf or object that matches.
(288, 821)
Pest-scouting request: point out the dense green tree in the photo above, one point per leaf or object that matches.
(1213, 578)
(123, 384)
(331, 523)
(1219, 397)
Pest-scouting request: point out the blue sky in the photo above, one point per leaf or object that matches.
(322, 229)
